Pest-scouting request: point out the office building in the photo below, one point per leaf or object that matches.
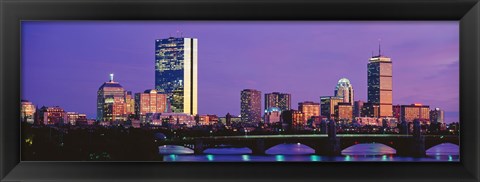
(415, 111)
(129, 103)
(370, 110)
(309, 109)
(344, 90)
(27, 112)
(250, 107)
(111, 101)
(278, 100)
(272, 115)
(344, 111)
(327, 106)
(437, 116)
(52, 115)
(150, 101)
(357, 108)
(176, 65)
(380, 83)
(293, 118)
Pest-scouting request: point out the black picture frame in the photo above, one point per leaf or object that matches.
(12, 12)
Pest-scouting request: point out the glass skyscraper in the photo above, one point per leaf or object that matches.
(251, 105)
(111, 101)
(278, 100)
(380, 84)
(344, 90)
(176, 65)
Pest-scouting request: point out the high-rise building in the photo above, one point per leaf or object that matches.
(344, 90)
(150, 101)
(415, 111)
(380, 83)
(27, 112)
(111, 101)
(437, 116)
(250, 107)
(278, 100)
(370, 110)
(176, 65)
(309, 109)
(344, 111)
(327, 106)
(129, 103)
(357, 108)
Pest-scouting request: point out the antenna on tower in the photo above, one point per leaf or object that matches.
(379, 47)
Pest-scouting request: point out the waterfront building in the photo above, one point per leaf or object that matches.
(357, 108)
(293, 118)
(208, 119)
(344, 112)
(370, 110)
(415, 111)
(309, 109)
(397, 111)
(272, 115)
(344, 90)
(437, 116)
(250, 105)
(278, 100)
(129, 103)
(111, 101)
(169, 119)
(380, 83)
(150, 101)
(327, 106)
(27, 112)
(52, 115)
(176, 72)
(81, 120)
(362, 121)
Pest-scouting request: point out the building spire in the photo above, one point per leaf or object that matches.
(111, 77)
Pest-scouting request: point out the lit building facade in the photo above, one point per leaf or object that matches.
(327, 106)
(397, 111)
(158, 119)
(111, 102)
(272, 115)
(357, 108)
(380, 84)
(53, 115)
(370, 110)
(283, 101)
(344, 111)
(176, 65)
(344, 90)
(415, 111)
(150, 101)
(250, 107)
(293, 118)
(72, 117)
(27, 112)
(437, 116)
(309, 109)
(129, 103)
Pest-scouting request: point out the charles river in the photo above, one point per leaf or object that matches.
(297, 152)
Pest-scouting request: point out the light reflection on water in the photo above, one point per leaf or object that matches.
(300, 152)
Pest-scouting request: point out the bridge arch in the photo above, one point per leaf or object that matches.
(290, 148)
(368, 149)
(447, 148)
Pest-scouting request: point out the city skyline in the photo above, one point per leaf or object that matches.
(324, 79)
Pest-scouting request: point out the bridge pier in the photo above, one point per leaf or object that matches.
(331, 147)
(258, 147)
(198, 148)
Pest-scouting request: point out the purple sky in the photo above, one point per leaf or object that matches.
(64, 63)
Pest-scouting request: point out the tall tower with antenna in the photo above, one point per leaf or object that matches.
(379, 80)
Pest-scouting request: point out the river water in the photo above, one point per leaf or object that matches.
(298, 152)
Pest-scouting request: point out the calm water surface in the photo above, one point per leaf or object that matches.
(298, 152)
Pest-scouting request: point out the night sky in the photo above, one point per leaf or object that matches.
(64, 63)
